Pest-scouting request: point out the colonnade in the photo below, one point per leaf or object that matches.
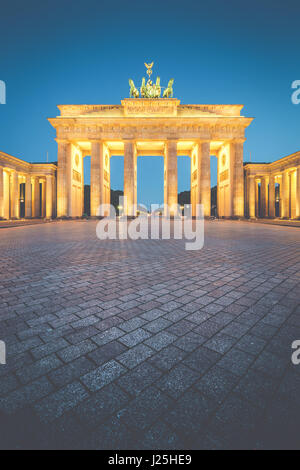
(276, 194)
(26, 190)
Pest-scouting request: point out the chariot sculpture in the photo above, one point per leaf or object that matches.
(150, 89)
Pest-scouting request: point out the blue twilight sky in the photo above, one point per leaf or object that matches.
(219, 52)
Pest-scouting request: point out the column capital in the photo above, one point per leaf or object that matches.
(238, 141)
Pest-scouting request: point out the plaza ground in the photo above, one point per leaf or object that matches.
(143, 345)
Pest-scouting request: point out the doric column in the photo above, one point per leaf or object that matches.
(237, 178)
(14, 198)
(252, 195)
(43, 204)
(298, 193)
(97, 177)
(204, 184)
(264, 197)
(63, 177)
(49, 197)
(28, 197)
(1, 193)
(285, 195)
(272, 196)
(257, 198)
(171, 177)
(36, 197)
(130, 177)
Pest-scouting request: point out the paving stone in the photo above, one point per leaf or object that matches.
(135, 355)
(38, 368)
(107, 336)
(160, 436)
(26, 395)
(73, 352)
(70, 372)
(190, 414)
(103, 375)
(135, 381)
(145, 409)
(202, 359)
(179, 379)
(135, 337)
(220, 343)
(101, 404)
(157, 325)
(190, 341)
(107, 352)
(167, 358)
(49, 348)
(152, 314)
(236, 361)
(160, 340)
(132, 324)
(217, 383)
(60, 402)
(180, 328)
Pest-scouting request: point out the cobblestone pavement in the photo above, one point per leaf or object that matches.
(141, 344)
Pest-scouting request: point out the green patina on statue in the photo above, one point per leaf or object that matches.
(134, 92)
(150, 89)
(169, 90)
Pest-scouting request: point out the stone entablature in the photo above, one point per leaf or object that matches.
(149, 119)
(288, 163)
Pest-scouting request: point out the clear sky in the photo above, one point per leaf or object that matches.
(83, 52)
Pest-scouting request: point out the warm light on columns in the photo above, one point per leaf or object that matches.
(130, 184)
(49, 197)
(28, 197)
(15, 202)
(252, 191)
(285, 195)
(64, 162)
(298, 193)
(272, 196)
(204, 183)
(97, 181)
(170, 163)
(1, 193)
(236, 156)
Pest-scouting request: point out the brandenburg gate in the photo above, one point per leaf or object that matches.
(146, 124)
